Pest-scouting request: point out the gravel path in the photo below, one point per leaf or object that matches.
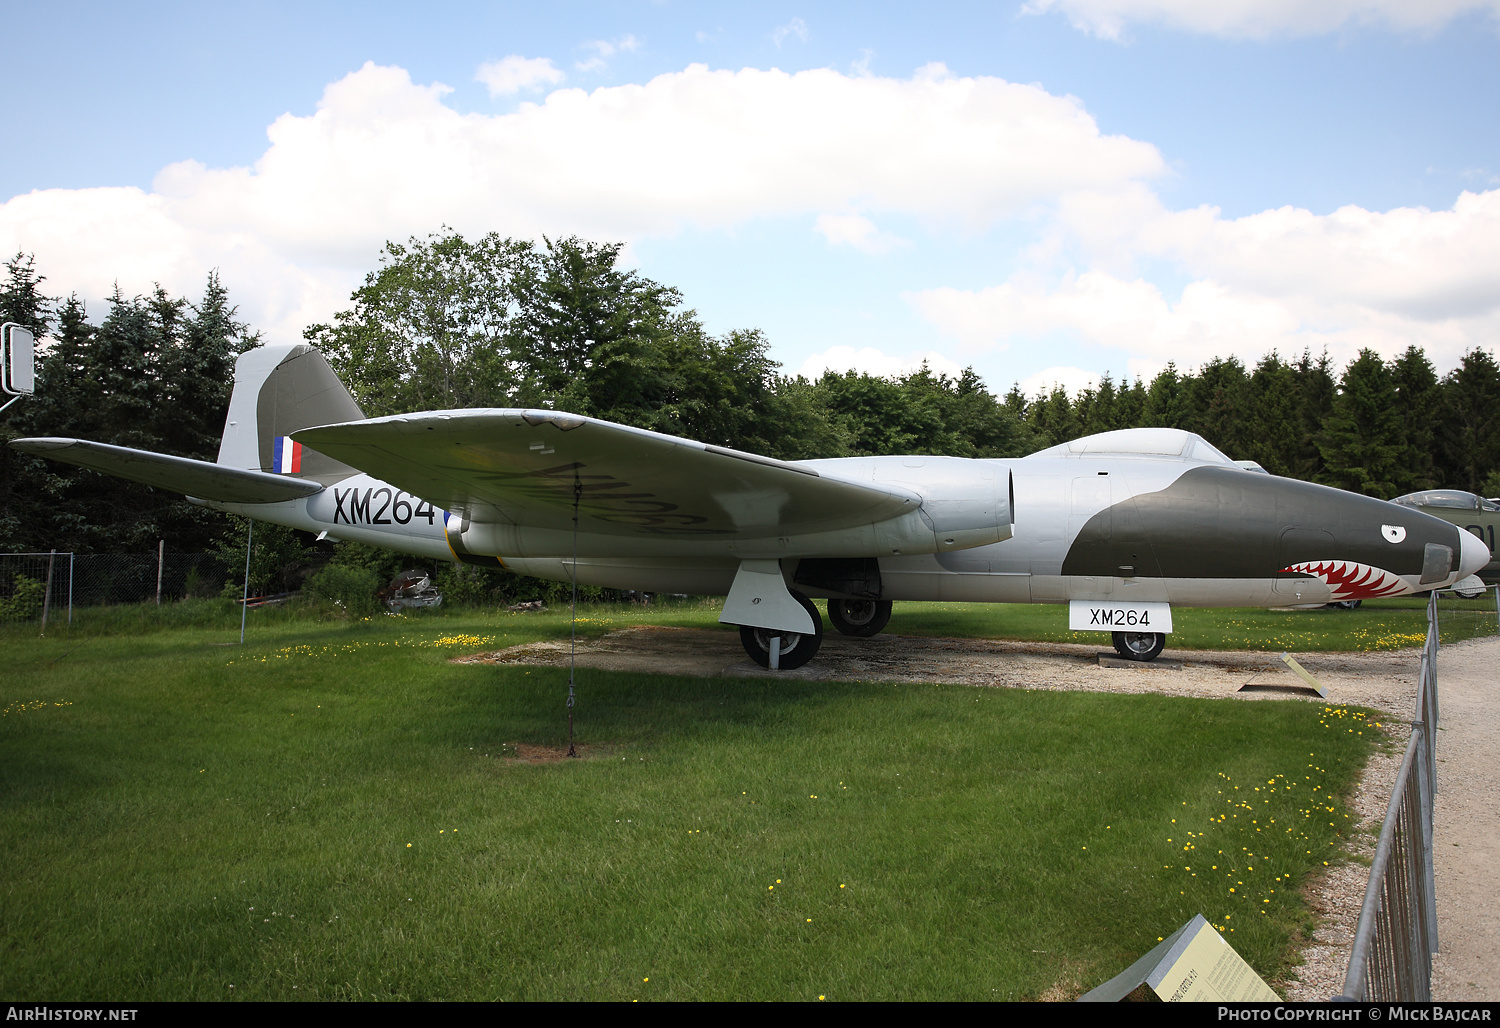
(1466, 823)
(1467, 840)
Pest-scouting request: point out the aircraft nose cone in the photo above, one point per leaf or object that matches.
(1474, 555)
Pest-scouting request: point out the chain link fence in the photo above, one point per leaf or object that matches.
(32, 586)
(50, 589)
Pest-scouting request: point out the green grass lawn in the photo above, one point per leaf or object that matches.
(331, 813)
(1377, 625)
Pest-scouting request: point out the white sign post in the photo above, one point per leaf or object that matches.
(17, 361)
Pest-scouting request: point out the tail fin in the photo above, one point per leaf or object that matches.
(277, 391)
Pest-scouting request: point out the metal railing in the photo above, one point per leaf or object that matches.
(1397, 932)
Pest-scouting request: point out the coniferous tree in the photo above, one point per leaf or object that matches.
(1166, 401)
(1053, 419)
(1469, 445)
(21, 301)
(1097, 408)
(1130, 406)
(1416, 385)
(1274, 436)
(1362, 441)
(197, 373)
(1315, 394)
(155, 375)
(1216, 398)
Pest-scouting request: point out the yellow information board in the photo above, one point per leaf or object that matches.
(1204, 968)
(1195, 964)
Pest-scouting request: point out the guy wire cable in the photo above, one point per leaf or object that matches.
(573, 622)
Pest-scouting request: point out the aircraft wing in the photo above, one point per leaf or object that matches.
(522, 466)
(176, 474)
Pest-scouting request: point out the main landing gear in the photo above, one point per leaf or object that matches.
(793, 649)
(859, 618)
(1139, 645)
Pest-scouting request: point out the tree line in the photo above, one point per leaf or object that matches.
(448, 322)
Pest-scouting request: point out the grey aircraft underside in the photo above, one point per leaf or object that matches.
(1122, 526)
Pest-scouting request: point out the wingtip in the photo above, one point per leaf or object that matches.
(41, 444)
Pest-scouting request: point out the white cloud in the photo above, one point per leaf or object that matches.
(1073, 380)
(604, 49)
(510, 75)
(1258, 19)
(857, 231)
(796, 27)
(1284, 279)
(876, 362)
(383, 158)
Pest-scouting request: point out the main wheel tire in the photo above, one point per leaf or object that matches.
(859, 618)
(1346, 604)
(796, 649)
(1469, 595)
(1139, 645)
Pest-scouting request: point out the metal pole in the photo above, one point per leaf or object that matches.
(72, 559)
(161, 558)
(245, 599)
(47, 596)
(573, 617)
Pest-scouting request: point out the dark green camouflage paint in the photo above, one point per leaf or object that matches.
(1216, 522)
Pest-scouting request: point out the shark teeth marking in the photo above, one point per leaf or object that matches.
(1350, 580)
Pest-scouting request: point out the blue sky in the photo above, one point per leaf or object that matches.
(1262, 175)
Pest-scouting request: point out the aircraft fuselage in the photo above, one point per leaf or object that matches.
(1107, 528)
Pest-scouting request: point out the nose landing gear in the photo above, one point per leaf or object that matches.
(1141, 646)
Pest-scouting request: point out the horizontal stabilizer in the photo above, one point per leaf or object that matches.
(177, 474)
(521, 467)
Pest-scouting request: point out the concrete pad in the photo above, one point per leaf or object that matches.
(1115, 660)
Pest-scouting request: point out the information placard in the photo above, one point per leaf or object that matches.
(1109, 616)
(1204, 968)
(1195, 964)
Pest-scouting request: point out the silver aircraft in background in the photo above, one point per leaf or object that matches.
(1122, 526)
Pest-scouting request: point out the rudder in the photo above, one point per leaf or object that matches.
(277, 391)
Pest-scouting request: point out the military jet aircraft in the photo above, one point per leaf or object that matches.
(1470, 512)
(1122, 526)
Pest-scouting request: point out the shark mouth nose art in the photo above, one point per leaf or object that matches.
(1349, 580)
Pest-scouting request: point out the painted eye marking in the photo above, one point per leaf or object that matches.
(1393, 533)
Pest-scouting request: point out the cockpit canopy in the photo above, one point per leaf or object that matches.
(1451, 499)
(1141, 442)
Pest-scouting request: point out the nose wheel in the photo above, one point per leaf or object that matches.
(1139, 645)
(793, 648)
